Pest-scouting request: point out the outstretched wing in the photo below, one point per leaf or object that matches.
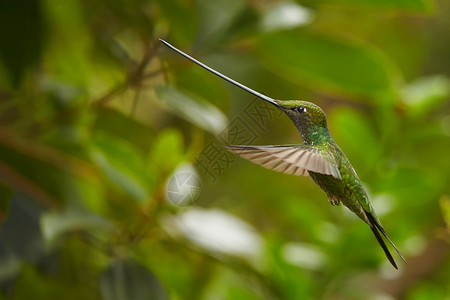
(296, 159)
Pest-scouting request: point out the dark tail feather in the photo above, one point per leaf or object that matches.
(375, 226)
(383, 245)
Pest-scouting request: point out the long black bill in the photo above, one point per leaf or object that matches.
(257, 94)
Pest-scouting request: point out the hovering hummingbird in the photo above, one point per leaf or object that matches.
(318, 157)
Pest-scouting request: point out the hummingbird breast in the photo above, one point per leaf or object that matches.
(333, 187)
(348, 190)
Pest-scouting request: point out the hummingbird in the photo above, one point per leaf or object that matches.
(319, 157)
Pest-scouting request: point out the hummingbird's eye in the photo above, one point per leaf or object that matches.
(301, 109)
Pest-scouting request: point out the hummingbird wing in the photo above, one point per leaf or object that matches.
(289, 159)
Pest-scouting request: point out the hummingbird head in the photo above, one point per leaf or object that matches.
(303, 113)
(309, 119)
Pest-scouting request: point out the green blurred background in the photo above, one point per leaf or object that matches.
(97, 117)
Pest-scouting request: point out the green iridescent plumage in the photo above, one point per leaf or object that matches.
(319, 157)
(312, 124)
(345, 188)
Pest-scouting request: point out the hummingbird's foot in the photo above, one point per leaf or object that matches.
(334, 201)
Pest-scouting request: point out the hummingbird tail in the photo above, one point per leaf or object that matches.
(383, 245)
(376, 229)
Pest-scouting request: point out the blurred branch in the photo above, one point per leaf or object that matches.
(46, 154)
(135, 101)
(147, 217)
(134, 79)
(96, 243)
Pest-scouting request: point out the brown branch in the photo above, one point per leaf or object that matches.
(134, 78)
(46, 154)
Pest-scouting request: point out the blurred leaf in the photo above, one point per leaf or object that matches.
(225, 233)
(407, 5)
(325, 62)
(181, 18)
(128, 280)
(356, 135)
(69, 60)
(21, 36)
(235, 288)
(20, 236)
(9, 270)
(167, 151)
(408, 183)
(197, 81)
(428, 289)
(42, 172)
(304, 255)
(120, 125)
(216, 17)
(56, 223)
(198, 112)
(285, 15)
(424, 94)
(444, 203)
(121, 163)
(6, 193)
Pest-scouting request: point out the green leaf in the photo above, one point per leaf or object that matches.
(196, 80)
(285, 15)
(55, 224)
(216, 17)
(181, 17)
(424, 94)
(120, 125)
(21, 36)
(167, 151)
(356, 136)
(44, 173)
(198, 111)
(423, 6)
(444, 203)
(411, 183)
(5, 198)
(326, 63)
(128, 280)
(122, 164)
(68, 60)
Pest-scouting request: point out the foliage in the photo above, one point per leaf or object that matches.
(97, 118)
